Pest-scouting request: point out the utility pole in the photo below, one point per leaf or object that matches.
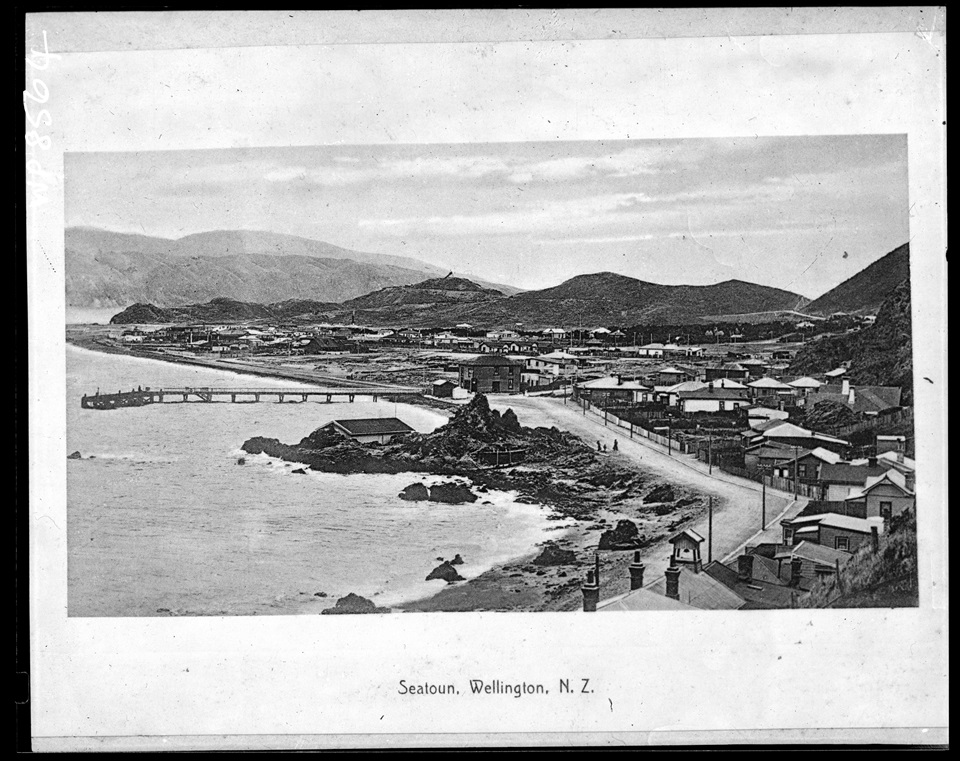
(763, 505)
(796, 473)
(710, 533)
(710, 453)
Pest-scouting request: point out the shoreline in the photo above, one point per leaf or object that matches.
(517, 584)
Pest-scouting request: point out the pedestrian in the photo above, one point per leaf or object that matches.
(615, 447)
(604, 447)
(598, 446)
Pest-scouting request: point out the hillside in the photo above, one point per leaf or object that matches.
(883, 579)
(607, 298)
(218, 310)
(867, 290)
(450, 290)
(107, 269)
(880, 355)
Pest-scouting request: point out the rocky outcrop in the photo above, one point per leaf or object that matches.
(624, 537)
(662, 493)
(354, 603)
(554, 555)
(446, 572)
(457, 560)
(452, 494)
(74, 456)
(417, 492)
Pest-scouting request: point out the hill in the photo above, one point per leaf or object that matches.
(217, 310)
(115, 269)
(607, 298)
(880, 355)
(867, 290)
(886, 578)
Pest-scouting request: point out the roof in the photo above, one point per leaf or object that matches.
(865, 398)
(689, 534)
(847, 473)
(375, 426)
(769, 383)
(700, 590)
(892, 477)
(726, 383)
(791, 431)
(610, 381)
(642, 599)
(491, 360)
(685, 386)
(757, 593)
(818, 553)
(835, 373)
(805, 382)
(835, 520)
(715, 393)
(672, 371)
(443, 382)
(825, 455)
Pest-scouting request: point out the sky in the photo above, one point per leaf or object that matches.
(799, 213)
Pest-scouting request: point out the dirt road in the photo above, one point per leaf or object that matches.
(737, 502)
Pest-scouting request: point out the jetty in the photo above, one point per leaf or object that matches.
(142, 396)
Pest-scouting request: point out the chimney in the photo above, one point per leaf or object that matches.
(845, 387)
(875, 536)
(852, 398)
(591, 593)
(796, 564)
(745, 568)
(619, 379)
(673, 580)
(872, 462)
(636, 572)
(710, 386)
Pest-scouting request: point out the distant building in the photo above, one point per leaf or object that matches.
(712, 399)
(369, 430)
(841, 532)
(882, 496)
(491, 374)
(442, 388)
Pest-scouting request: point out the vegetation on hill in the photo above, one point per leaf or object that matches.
(880, 355)
(886, 578)
(869, 288)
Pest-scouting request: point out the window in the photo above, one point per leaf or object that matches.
(723, 405)
(842, 543)
(802, 471)
(787, 536)
(886, 510)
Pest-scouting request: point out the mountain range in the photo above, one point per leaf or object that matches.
(869, 288)
(108, 269)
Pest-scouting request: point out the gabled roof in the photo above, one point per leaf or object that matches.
(771, 383)
(685, 386)
(890, 477)
(372, 426)
(726, 383)
(611, 382)
(817, 553)
(805, 382)
(689, 534)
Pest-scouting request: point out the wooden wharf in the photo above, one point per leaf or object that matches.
(143, 396)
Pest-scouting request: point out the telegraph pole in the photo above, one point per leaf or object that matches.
(710, 453)
(710, 533)
(796, 473)
(763, 505)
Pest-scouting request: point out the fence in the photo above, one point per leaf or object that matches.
(635, 430)
(499, 458)
(810, 491)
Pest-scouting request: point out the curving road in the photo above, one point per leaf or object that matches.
(737, 502)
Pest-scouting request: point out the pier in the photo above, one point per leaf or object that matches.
(142, 396)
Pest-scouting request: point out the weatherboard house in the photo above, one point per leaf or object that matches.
(491, 374)
(369, 430)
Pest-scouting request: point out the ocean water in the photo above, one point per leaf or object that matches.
(161, 517)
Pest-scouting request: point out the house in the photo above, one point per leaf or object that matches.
(369, 430)
(842, 532)
(691, 586)
(760, 414)
(732, 370)
(756, 581)
(895, 444)
(864, 400)
(711, 399)
(815, 561)
(670, 376)
(614, 388)
(808, 463)
(769, 387)
(755, 367)
(842, 478)
(491, 374)
(805, 385)
(881, 496)
(793, 435)
(558, 364)
(442, 388)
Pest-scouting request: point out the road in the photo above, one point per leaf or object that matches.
(737, 502)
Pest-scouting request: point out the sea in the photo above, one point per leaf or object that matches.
(164, 520)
